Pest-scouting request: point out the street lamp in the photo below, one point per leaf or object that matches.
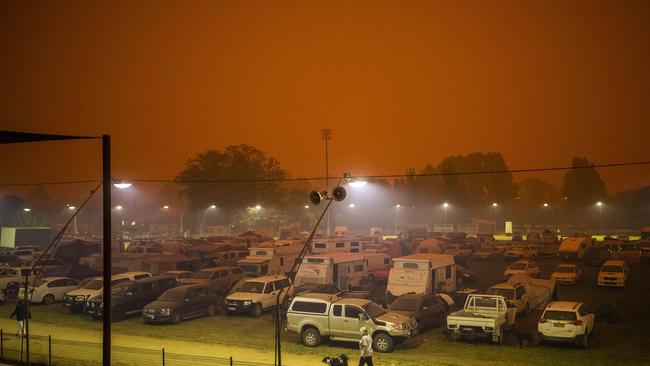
(118, 207)
(545, 215)
(27, 209)
(213, 206)
(445, 206)
(397, 206)
(358, 183)
(351, 205)
(600, 212)
(306, 206)
(494, 206)
(122, 185)
(166, 207)
(258, 207)
(72, 208)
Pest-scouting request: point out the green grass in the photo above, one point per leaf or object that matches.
(625, 344)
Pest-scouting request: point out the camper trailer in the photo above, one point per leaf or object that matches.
(347, 245)
(269, 261)
(343, 270)
(421, 273)
(575, 247)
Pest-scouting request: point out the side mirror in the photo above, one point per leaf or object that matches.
(363, 317)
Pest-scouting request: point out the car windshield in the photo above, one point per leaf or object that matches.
(249, 268)
(564, 269)
(373, 310)
(252, 287)
(560, 315)
(611, 268)
(518, 266)
(95, 284)
(172, 295)
(202, 275)
(505, 292)
(406, 304)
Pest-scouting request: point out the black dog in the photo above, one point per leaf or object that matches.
(341, 360)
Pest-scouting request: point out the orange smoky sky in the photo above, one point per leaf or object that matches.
(400, 83)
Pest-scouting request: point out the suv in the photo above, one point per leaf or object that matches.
(522, 267)
(256, 295)
(567, 273)
(76, 299)
(427, 309)
(565, 321)
(130, 297)
(220, 279)
(180, 303)
(314, 316)
(613, 273)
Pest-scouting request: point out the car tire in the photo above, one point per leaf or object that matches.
(118, 314)
(383, 343)
(48, 299)
(310, 337)
(211, 310)
(256, 312)
(584, 342)
(177, 317)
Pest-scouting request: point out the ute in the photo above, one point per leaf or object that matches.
(483, 316)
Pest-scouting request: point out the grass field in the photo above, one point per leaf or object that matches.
(617, 344)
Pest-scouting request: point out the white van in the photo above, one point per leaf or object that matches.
(421, 273)
(343, 270)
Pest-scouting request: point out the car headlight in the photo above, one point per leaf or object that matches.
(165, 311)
(247, 302)
(81, 298)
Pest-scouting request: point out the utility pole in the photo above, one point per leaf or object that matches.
(107, 259)
(326, 135)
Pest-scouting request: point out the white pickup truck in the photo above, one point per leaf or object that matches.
(484, 316)
(524, 292)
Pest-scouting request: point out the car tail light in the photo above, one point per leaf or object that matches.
(542, 320)
(576, 322)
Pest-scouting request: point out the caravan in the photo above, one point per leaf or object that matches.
(348, 245)
(269, 261)
(575, 247)
(421, 273)
(342, 270)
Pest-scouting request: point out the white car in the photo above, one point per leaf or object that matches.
(258, 294)
(567, 273)
(529, 268)
(521, 252)
(613, 273)
(566, 321)
(50, 289)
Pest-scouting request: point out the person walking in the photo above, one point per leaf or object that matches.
(365, 345)
(21, 314)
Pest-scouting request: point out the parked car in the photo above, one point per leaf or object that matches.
(182, 303)
(130, 297)
(530, 268)
(483, 316)
(486, 253)
(228, 258)
(428, 310)
(595, 256)
(521, 252)
(178, 274)
(220, 279)
(76, 300)
(457, 249)
(565, 321)
(314, 316)
(256, 295)
(613, 273)
(567, 273)
(50, 289)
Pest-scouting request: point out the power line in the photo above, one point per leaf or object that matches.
(279, 180)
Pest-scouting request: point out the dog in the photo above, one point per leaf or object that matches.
(524, 337)
(341, 360)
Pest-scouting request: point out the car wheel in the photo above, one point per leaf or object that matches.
(211, 310)
(177, 318)
(117, 314)
(257, 310)
(585, 341)
(48, 299)
(311, 337)
(383, 343)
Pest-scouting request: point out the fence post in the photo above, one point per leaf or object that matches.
(163, 356)
(230, 360)
(2, 345)
(49, 350)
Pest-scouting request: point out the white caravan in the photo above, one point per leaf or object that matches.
(343, 270)
(269, 261)
(421, 273)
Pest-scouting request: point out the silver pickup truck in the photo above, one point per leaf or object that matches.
(484, 316)
(315, 316)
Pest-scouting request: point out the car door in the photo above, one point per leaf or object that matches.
(149, 294)
(190, 303)
(350, 325)
(56, 288)
(278, 290)
(267, 295)
(588, 318)
(428, 313)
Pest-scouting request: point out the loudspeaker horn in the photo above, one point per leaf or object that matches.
(339, 193)
(314, 197)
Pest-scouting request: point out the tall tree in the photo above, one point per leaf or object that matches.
(11, 207)
(582, 184)
(238, 162)
(533, 192)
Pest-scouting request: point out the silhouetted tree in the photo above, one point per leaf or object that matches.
(582, 184)
(11, 207)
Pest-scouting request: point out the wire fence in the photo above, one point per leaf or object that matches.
(45, 350)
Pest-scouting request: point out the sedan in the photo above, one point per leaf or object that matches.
(429, 310)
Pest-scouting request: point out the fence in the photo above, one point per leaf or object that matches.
(45, 350)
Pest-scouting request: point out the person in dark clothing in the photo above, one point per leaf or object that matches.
(21, 314)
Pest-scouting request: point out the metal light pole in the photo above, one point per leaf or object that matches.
(444, 206)
(600, 212)
(494, 206)
(106, 246)
(546, 215)
(396, 209)
(326, 135)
